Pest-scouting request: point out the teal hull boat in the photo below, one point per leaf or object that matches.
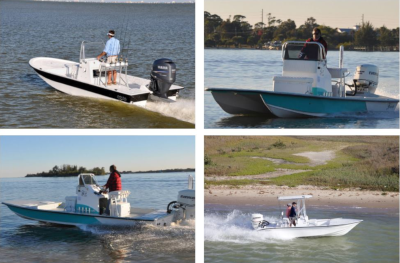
(286, 105)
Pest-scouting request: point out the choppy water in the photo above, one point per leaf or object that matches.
(23, 240)
(55, 29)
(254, 69)
(229, 237)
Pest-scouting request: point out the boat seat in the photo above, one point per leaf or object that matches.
(337, 72)
(121, 196)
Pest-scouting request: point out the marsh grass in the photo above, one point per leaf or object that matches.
(231, 183)
(363, 162)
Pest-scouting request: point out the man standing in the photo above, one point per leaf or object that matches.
(112, 50)
(293, 214)
(114, 181)
(311, 51)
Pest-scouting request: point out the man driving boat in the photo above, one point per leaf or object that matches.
(112, 50)
(311, 51)
(114, 181)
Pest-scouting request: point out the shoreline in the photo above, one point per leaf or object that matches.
(279, 49)
(268, 194)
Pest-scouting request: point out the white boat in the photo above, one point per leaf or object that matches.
(305, 227)
(91, 206)
(309, 88)
(88, 77)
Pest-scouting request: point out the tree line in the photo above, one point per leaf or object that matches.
(238, 32)
(68, 170)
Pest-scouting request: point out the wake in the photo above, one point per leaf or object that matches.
(182, 109)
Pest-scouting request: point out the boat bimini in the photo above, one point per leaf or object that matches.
(92, 206)
(88, 78)
(305, 227)
(308, 88)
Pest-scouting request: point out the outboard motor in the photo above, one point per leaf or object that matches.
(184, 207)
(256, 219)
(162, 77)
(365, 79)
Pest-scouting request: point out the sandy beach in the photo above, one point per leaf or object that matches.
(267, 194)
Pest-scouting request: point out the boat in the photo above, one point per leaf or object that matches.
(309, 88)
(305, 227)
(88, 77)
(93, 206)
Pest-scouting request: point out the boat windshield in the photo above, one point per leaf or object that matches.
(91, 49)
(311, 51)
(87, 179)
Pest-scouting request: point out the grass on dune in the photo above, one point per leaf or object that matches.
(361, 162)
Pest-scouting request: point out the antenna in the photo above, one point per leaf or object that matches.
(262, 17)
(362, 19)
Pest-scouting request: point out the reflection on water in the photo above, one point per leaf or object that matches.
(360, 121)
(254, 69)
(229, 237)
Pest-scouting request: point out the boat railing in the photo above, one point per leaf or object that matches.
(120, 196)
(90, 50)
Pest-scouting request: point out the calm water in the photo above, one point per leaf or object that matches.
(51, 29)
(254, 69)
(30, 241)
(229, 237)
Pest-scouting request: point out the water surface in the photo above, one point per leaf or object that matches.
(55, 29)
(25, 240)
(229, 237)
(254, 69)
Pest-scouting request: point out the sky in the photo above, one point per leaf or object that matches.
(333, 13)
(22, 155)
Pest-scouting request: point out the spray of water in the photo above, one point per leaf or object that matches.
(145, 239)
(182, 109)
(235, 227)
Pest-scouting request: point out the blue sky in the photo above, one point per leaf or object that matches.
(20, 155)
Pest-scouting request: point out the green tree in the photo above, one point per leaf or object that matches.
(285, 30)
(271, 20)
(209, 43)
(251, 40)
(238, 18)
(211, 23)
(385, 37)
(366, 36)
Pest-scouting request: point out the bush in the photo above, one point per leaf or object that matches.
(279, 144)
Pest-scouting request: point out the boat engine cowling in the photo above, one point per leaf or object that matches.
(162, 76)
(256, 219)
(184, 207)
(366, 78)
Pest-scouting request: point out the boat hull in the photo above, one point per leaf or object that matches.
(75, 87)
(316, 231)
(287, 105)
(77, 219)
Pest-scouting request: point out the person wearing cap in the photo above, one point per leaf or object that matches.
(289, 207)
(293, 214)
(311, 51)
(112, 50)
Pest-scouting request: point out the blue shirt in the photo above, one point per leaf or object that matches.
(112, 47)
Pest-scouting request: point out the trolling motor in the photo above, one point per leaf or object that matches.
(162, 77)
